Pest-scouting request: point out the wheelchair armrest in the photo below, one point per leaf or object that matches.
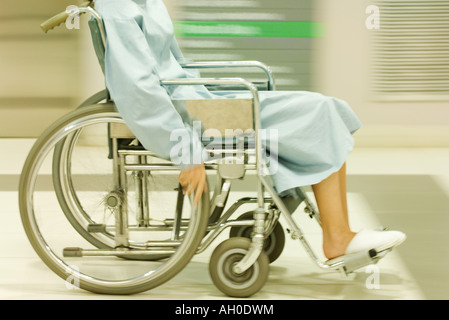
(234, 64)
(261, 86)
(215, 81)
(227, 82)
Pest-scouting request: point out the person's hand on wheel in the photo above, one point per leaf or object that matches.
(193, 180)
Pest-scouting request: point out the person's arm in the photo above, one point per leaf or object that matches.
(133, 81)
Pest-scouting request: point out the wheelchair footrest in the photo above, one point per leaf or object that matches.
(359, 260)
(352, 262)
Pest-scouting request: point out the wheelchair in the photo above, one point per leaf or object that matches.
(110, 217)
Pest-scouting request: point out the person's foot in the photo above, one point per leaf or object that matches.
(335, 246)
(364, 240)
(378, 240)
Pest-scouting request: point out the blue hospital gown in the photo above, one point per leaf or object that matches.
(314, 132)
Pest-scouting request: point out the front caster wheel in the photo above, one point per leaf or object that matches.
(225, 257)
(273, 244)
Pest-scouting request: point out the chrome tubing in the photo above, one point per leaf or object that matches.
(96, 16)
(234, 64)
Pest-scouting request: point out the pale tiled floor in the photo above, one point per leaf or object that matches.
(405, 189)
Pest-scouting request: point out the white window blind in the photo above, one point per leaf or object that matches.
(410, 54)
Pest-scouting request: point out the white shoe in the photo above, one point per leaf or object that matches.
(366, 240)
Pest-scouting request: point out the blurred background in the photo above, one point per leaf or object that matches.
(391, 66)
(396, 78)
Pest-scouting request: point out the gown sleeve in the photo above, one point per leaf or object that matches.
(133, 80)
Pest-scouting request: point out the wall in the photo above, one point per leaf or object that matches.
(42, 76)
(280, 34)
(342, 70)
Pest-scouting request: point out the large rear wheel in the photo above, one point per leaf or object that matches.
(71, 219)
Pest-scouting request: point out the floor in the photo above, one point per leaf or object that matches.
(405, 189)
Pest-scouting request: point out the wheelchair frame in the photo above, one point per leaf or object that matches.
(263, 222)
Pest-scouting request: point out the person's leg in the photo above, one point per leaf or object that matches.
(343, 192)
(330, 195)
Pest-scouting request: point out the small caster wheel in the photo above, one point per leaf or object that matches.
(274, 243)
(225, 257)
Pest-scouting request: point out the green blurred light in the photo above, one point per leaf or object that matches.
(249, 29)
